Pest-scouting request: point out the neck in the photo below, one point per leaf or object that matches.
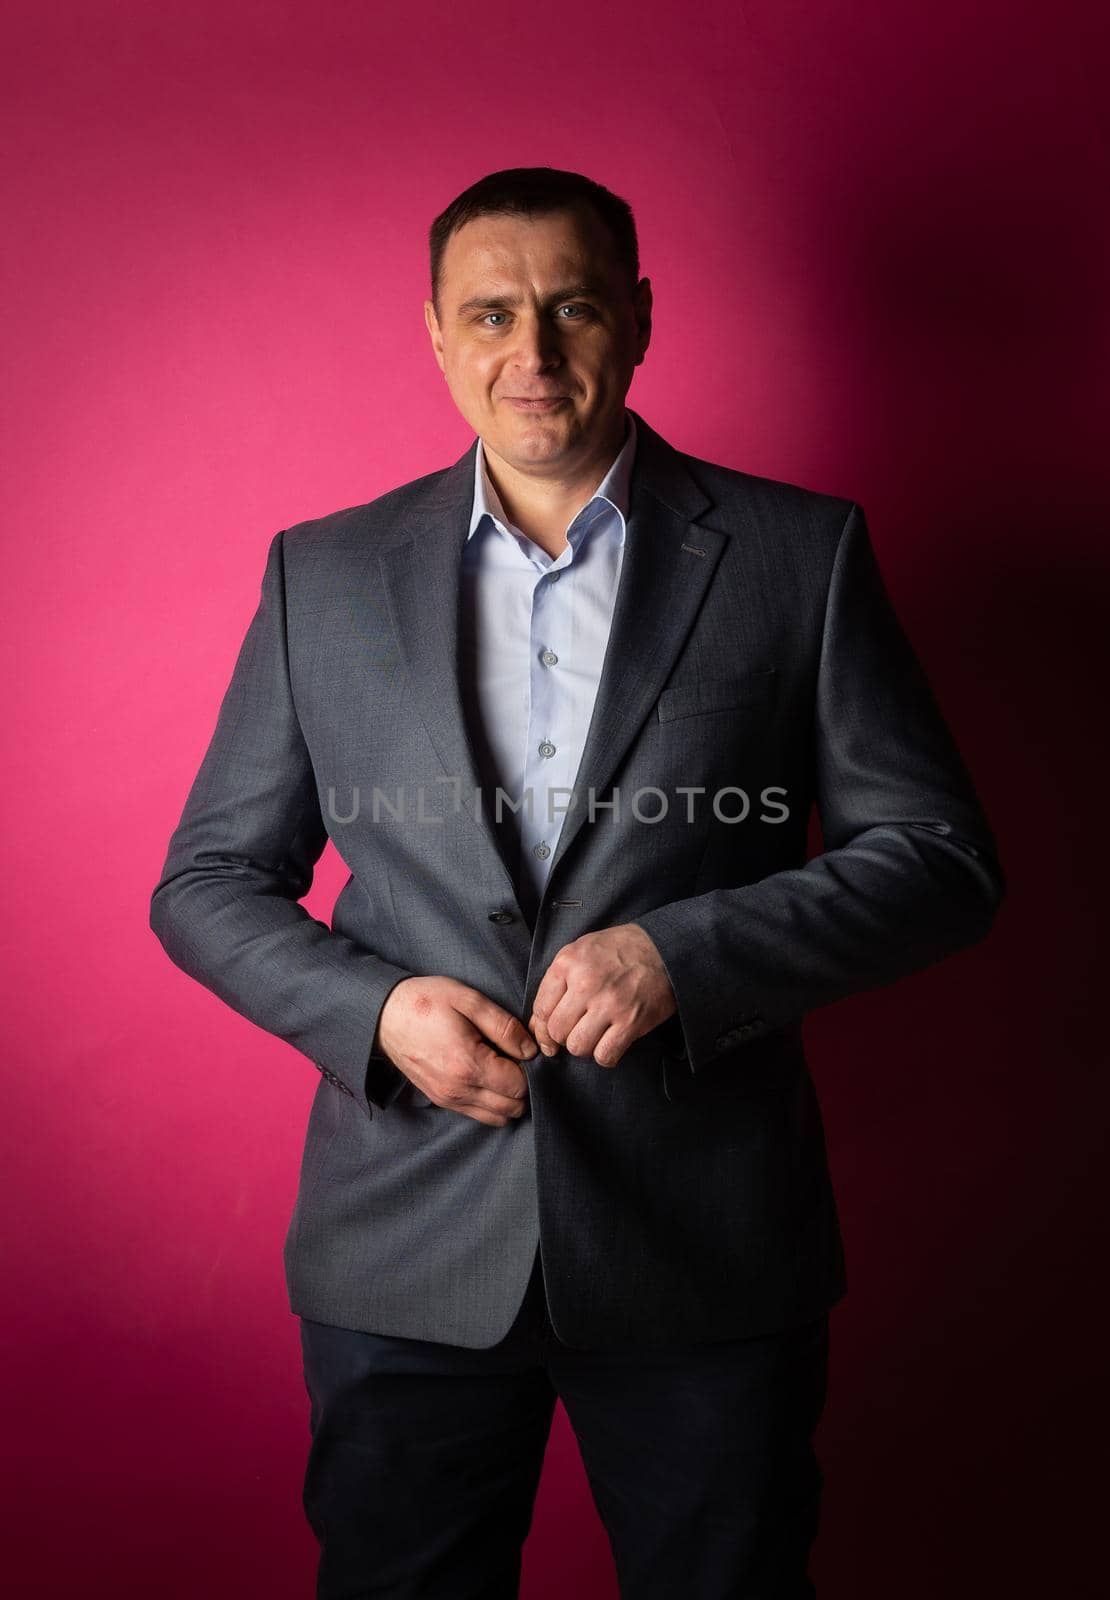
(543, 508)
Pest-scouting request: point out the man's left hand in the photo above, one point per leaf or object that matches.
(600, 993)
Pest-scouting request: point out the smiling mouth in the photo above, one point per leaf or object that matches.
(537, 405)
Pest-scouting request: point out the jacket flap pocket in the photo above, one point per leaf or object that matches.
(753, 689)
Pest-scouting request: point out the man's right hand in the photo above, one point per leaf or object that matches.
(458, 1047)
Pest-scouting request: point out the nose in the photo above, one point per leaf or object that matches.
(535, 346)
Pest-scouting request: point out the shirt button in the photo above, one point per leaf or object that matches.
(547, 748)
(554, 576)
(500, 916)
(549, 658)
(541, 850)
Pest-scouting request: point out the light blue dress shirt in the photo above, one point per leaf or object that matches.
(532, 638)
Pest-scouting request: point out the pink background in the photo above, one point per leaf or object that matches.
(877, 241)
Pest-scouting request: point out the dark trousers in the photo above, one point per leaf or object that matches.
(425, 1459)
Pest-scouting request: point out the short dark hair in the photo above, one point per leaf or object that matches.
(535, 191)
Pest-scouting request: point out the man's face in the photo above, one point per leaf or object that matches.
(536, 310)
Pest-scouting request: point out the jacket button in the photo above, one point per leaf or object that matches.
(500, 916)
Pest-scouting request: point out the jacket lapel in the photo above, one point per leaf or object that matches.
(421, 580)
(667, 567)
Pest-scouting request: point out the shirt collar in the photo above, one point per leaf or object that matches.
(615, 487)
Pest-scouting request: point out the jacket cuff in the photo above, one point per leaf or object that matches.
(709, 1022)
(384, 1081)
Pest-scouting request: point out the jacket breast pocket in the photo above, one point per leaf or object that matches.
(750, 691)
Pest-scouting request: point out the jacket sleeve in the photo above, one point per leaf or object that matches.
(909, 872)
(226, 906)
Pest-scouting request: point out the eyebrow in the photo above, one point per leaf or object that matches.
(506, 302)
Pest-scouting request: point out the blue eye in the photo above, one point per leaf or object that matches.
(569, 305)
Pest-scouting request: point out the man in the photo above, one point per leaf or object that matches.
(661, 664)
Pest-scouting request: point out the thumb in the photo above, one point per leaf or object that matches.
(499, 1026)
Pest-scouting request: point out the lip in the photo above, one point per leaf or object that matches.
(536, 405)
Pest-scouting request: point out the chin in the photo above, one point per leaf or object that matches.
(540, 428)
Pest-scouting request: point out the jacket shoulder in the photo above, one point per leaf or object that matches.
(374, 517)
(793, 506)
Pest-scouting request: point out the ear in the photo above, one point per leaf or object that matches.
(431, 322)
(643, 302)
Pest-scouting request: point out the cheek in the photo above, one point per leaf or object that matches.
(476, 368)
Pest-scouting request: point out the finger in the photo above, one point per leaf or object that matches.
(496, 1075)
(552, 988)
(584, 1038)
(472, 1099)
(498, 1115)
(562, 1021)
(482, 1105)
(539, 1028)
(496, 1024)
(479, 1076)
(491, 1119)
(611, 1046)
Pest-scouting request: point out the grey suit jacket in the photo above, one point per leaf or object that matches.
(683, 1195)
